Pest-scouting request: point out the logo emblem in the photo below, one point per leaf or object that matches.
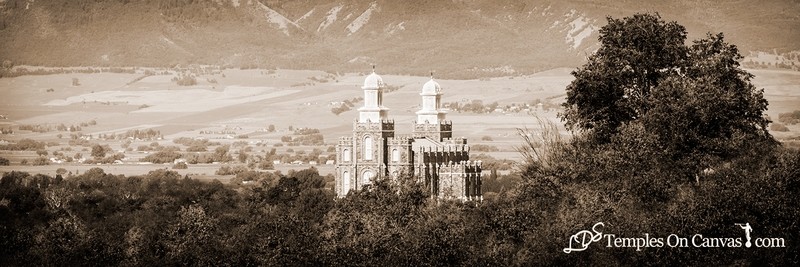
(581, 240)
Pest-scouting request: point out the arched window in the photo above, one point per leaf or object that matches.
(368, 147)
(395, 155)
(346, 155)
(345, 182)
(367, 177)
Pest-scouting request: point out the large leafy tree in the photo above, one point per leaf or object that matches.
(636, 53)
(691, 104)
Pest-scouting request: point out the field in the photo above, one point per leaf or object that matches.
(236, 107)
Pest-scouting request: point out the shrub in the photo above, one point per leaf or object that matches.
(99, 151)
(166, 156)
(789, 118)
(777, 127)
(180, 165)
(24, 144)
(266, 165)
(197, 148)
(4, 162)
(227, 170)
(40, 161)
(186, 80)
(484, 148)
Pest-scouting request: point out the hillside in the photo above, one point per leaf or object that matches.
(458, 39)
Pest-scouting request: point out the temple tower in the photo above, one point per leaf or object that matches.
(431, 121)
(362, 158)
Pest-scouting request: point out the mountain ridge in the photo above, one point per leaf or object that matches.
(459, 39)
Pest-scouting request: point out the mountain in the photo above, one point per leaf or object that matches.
(456, 38)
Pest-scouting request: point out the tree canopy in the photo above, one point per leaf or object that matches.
(693, 101)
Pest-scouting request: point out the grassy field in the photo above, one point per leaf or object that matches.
(232, 104)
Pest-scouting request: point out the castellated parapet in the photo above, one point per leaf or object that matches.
(438, 131)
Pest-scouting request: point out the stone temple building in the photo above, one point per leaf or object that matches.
(429, 154)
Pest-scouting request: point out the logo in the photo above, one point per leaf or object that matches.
(747, 230)
(584, 238)
(581, 240)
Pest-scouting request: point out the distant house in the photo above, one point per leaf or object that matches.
(330, 162)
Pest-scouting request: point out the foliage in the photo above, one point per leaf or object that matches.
(694, 103)
(162, 218)
(491, 163)
(778, 127)
(185, 80)
(266, 165)
(4, 161)
(227, 170)
(789, 118)
(40, 161)
(304, 136)
(166, 156)
(99, 151)
(180, 165)
(483, 148)
(24, 144)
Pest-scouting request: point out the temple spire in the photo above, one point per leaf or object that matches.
(373, 109)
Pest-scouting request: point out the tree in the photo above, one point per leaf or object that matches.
(98, 151)
(243, 156)
(692, 105)
(221, 154)
(189, 239)
(636, 53)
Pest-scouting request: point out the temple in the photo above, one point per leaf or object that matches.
(430, 154)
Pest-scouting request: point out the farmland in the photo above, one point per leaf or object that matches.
(253, 111)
